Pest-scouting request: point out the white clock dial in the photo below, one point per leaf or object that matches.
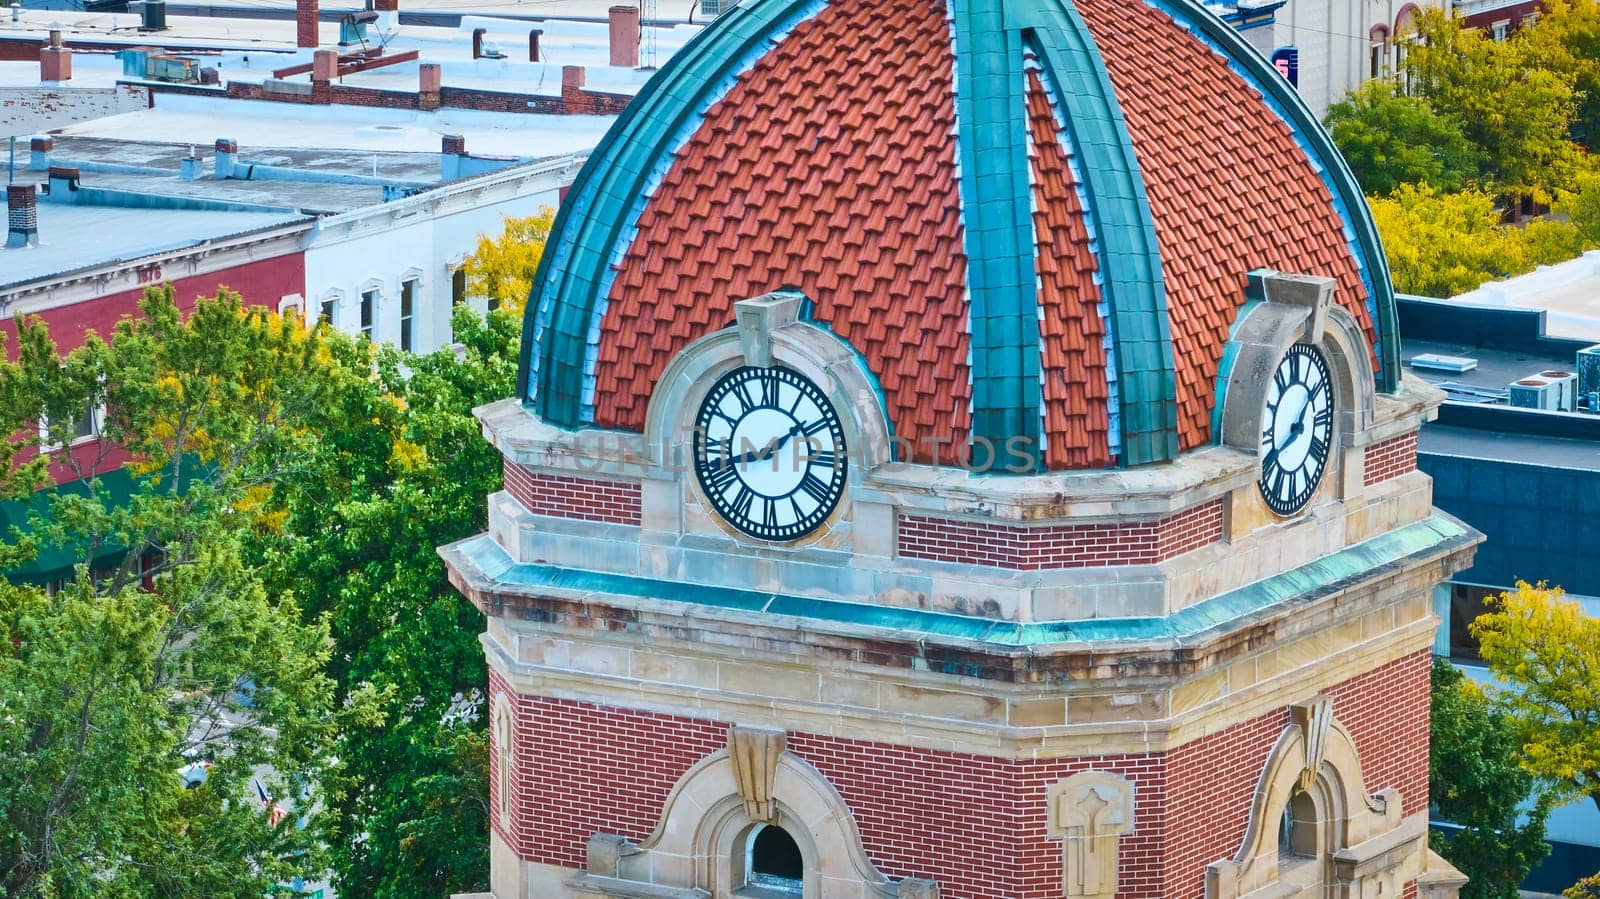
(769, 452)
(1296, 430)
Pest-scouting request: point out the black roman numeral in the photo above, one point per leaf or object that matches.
(815, 488)
(740, 507)
(769, 390)
(1319, 450)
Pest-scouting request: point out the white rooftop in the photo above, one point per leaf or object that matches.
(83, 237)
(1568, 292)
(257, 124)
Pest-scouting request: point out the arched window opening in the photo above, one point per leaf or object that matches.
(774, 861)
(1299, 835)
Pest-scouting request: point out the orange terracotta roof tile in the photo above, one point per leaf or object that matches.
(1230, 190)
(829, 166)
(1071, 332)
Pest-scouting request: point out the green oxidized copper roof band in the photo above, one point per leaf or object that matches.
(991, 121)
(1130, 256)
(600, 200)
(1429, 537)
(1343, 180)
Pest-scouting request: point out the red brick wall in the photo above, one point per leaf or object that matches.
(1058, 546)
(1390, 459)
(582, 498)
(976, 824)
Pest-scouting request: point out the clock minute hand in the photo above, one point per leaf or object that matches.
(773, 445)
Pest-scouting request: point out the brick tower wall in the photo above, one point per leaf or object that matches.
(971, 822)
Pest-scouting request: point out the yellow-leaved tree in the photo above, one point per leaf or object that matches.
(1546, 652)
(501, 269)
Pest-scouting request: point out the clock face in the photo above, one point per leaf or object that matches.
(1296, 430)
(769, 452)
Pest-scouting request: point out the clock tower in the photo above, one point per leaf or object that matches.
(961, 451)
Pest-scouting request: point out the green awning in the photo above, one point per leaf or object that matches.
(55, 562)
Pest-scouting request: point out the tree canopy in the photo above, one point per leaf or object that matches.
(1475, 782)
(174, 652)
(1391, 139)
(1547, 653)
(502, 267)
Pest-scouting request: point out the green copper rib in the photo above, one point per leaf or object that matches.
(1130, 256)
(600, 204)
(991, 118)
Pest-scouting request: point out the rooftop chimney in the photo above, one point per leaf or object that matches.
(39, 152)
(625, 36)
(63, 180)
(227, 156)
(55, 60)
(453, 145)
(305, 23)
(22, 215)
(477, 42)
(428, 83)
(533, 44)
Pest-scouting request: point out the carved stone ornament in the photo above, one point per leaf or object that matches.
(1089, 812)
(755, 752)
(1314, 717)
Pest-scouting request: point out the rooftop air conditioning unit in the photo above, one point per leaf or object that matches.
(714, 8)
(1565, 385)
(1588, 365)
(1531, 393)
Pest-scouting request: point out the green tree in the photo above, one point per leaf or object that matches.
(1547, 653)
(402, 470)
(1475, 781)
(502, 268)
(1509, 104)
(1444, 244)
(1566, 39)
(1391, 139)
(172, 650)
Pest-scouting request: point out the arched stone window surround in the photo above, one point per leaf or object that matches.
(1315, 763)
(707, 820)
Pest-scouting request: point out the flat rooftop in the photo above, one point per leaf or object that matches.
(1475, 443)
(1496, 367)
(258, 124)
(1569, 292)
(73, 238)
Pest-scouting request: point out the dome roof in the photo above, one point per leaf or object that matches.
(1031, 218)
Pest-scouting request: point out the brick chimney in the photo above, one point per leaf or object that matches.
(428, 83)
(453, 145)
(227, 157)
(324, 69)
(62, 180)
(55, 60)
(572, 78)
(22, 215)
(385, 5)
(39, 152)
(305, 23)
(533, 44)
(625, 36)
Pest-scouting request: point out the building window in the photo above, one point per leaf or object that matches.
(1467, 602)
(408, 301)
(369, 304)
(773, 861)
(458, 287)
(1498, 29)
(329, 307)
(84, 427)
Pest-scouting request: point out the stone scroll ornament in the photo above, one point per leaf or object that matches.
(1089, 812)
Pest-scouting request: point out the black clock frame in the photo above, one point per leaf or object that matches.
(826, 492)
(1297, 502)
